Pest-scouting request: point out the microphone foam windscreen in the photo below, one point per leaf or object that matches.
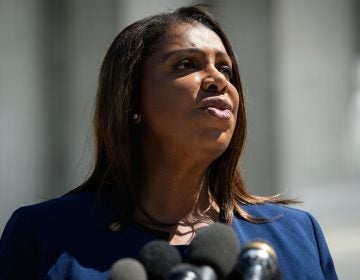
(159, 258)
(127, 269)
(216, 246)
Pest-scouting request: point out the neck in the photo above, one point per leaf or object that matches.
(172, 195)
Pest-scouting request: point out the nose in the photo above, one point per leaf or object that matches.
(214, 80)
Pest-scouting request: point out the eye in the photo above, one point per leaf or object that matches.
(184, 64)
(226, 70)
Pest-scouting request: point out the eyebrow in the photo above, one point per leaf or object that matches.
(192, 50)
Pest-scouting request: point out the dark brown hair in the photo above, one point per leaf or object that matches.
(118, 162)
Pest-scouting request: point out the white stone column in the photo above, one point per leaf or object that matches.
(314, 49)
(22, 117)
(248, 25)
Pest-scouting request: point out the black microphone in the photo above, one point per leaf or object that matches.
(158, 258)
(257, 261)
(214, 250)
(184, 271)
(127, 269)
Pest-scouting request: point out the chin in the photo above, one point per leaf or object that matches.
(216, 147)
(219, 138)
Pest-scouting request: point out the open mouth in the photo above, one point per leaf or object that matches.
(220, 114)
(216, 107)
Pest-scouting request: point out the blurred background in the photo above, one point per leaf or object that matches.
(300, 64)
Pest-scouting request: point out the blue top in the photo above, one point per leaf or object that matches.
(69, 238)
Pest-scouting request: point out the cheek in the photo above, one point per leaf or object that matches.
(187, 85)
(234, 95)
(237, 105)
(174, 94)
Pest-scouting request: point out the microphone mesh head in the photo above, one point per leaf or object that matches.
(216, 246)
(159, 258)
(258, 258)
(127, 269)
(184, 271)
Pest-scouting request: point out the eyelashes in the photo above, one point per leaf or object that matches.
(226, 70)
(185, 64)
(192, 64)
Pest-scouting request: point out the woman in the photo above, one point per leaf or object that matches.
(169, 128)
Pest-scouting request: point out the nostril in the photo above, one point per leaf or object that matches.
(212, 87)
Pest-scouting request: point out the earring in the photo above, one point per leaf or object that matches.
(137, 118)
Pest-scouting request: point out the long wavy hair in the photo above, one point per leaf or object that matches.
(118, 160)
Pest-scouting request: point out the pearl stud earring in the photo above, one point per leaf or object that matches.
(137, 118)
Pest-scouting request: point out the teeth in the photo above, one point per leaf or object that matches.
(221, 114)
(222, 108)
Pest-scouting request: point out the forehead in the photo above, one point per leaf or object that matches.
(190, 35)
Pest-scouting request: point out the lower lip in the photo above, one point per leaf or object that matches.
(219, 114)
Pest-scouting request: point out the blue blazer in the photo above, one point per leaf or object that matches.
(69, 238)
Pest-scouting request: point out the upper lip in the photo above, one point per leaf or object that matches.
(215, 102)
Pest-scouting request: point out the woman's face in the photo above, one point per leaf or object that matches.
(188, 104)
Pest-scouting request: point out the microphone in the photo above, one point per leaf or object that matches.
(127, 269)
(215, 250)
(184, 271)
(257, 261)
(158, 258)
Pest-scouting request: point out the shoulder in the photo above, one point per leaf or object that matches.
(54, 219)
(64, 208)
(271, 209)
(278, 213)
(281, 220)
(38, 234)
(49, 215)
(295, 235)
(72, 201)
(62, 217)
